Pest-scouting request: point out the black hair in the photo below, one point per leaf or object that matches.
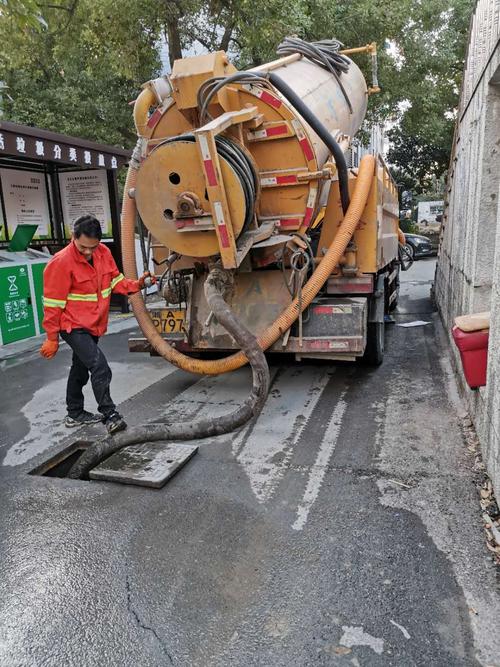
(88, 225)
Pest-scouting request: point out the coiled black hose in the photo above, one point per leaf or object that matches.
(324, 53)
(212, 86)
(239, 161)
(217, 284)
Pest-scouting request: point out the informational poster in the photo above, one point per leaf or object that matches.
(26, 201)
(85, 193)
(16, 312)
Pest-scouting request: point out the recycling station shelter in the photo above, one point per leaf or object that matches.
(47, 180)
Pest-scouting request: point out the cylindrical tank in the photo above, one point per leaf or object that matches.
(283, 149)
(321, 93)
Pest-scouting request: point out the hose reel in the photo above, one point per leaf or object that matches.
(172, 199)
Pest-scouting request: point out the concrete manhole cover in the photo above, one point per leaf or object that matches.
(147, 464)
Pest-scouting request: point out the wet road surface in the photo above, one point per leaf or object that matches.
(340, 528)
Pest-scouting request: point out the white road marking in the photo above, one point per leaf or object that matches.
(318, 470)
(400, 627)
(355, 636)
(211, 396)
(47, 409)
(265, 447)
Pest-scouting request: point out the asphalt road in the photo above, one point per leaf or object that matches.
(341, 528)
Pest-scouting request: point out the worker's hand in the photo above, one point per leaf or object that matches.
(146, 280)
(49, 348)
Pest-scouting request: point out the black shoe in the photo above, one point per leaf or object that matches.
(84, 419)
(115, 423)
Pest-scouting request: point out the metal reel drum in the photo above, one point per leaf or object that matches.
(169, 170)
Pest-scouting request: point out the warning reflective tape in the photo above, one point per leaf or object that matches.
(303, 140)
(289, 222)
(54, 303)
(263, 95)
(154, 119)
(207, 161)
(205, 221)
(310, 206)
(82, 297)
(269, 99)
(117, 279)
(106, 292)
(221, 223)
(290, 179)
(273, 131)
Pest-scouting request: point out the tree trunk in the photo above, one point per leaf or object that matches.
(226, 37)
(173, 38)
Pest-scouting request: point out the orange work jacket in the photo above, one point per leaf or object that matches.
(76, 294)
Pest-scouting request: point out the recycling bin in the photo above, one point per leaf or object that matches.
(21, 294)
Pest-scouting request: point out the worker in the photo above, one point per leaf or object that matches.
(78, 283)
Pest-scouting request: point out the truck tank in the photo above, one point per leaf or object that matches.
(230, 170)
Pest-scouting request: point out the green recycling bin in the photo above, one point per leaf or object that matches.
(21, 294)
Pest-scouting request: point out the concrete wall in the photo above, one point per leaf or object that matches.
(468, 271)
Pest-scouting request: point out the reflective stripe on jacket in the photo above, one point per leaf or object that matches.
(76, 294)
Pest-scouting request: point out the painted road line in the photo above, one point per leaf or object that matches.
(318, 470)
(46, 410)
(265, 447)
(210, 397)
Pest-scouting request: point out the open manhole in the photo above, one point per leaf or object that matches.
(148, 464)
(60, 464)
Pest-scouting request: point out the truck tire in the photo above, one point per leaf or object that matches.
(375, 344)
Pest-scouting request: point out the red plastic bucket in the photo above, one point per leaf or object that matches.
(473, 347)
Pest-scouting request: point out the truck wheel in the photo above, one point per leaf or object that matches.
(375, 344)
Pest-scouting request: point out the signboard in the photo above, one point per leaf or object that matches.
(85, 193)
(16, 312)
(39, 144)
(26, 201)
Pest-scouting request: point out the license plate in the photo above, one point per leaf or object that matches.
(168, 321)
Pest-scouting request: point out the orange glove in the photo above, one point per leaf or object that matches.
(146, 280)
(49, 348)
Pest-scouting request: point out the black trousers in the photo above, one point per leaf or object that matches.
(88, 360)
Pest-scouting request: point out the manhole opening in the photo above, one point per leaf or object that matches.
(60, 464)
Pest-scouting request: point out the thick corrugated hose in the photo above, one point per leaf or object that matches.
(290, 313)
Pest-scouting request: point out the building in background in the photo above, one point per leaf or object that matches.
(429, 214)
(468, 270)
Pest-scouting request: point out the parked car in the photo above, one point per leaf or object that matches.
(419, 246)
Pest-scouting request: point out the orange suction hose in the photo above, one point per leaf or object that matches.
(286, 318)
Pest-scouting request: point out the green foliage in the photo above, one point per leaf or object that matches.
(22, 14)
(408, 226)
(77, 73)
(433, 49)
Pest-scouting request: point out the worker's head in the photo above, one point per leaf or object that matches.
(87, 235)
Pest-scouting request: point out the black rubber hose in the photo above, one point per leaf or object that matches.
(322, 133)
(240, 163)
(216, 285)
(212, 86)
(324, 53)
